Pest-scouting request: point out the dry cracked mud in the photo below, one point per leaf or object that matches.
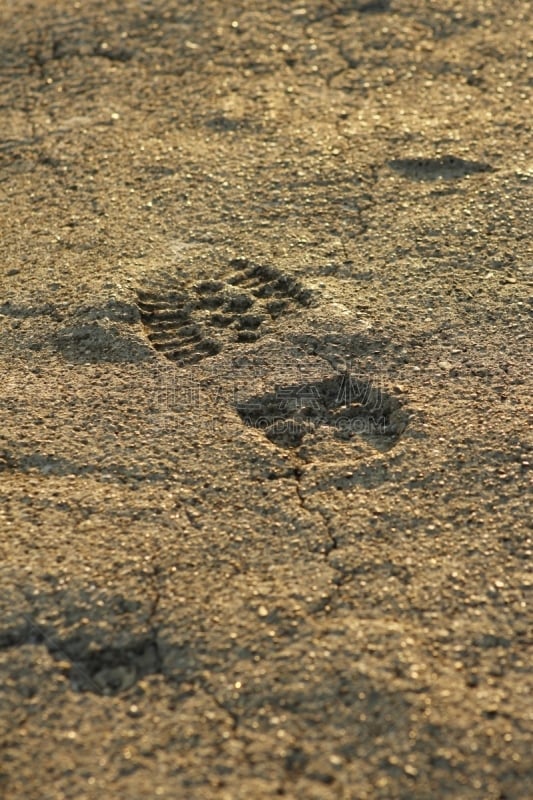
(265, 369)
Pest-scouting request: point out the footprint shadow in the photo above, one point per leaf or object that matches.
(94, 342)
(432, 169)
(338, 407)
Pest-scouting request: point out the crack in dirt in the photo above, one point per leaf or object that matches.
(368, 177)
(333, 542)
(233, 717)
(203, 684)
(154, 628)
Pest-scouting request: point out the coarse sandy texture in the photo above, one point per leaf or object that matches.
(265, 368)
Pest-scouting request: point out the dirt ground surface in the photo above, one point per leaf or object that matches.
(265, 364)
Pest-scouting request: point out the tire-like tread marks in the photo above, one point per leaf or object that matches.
(190, 322)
